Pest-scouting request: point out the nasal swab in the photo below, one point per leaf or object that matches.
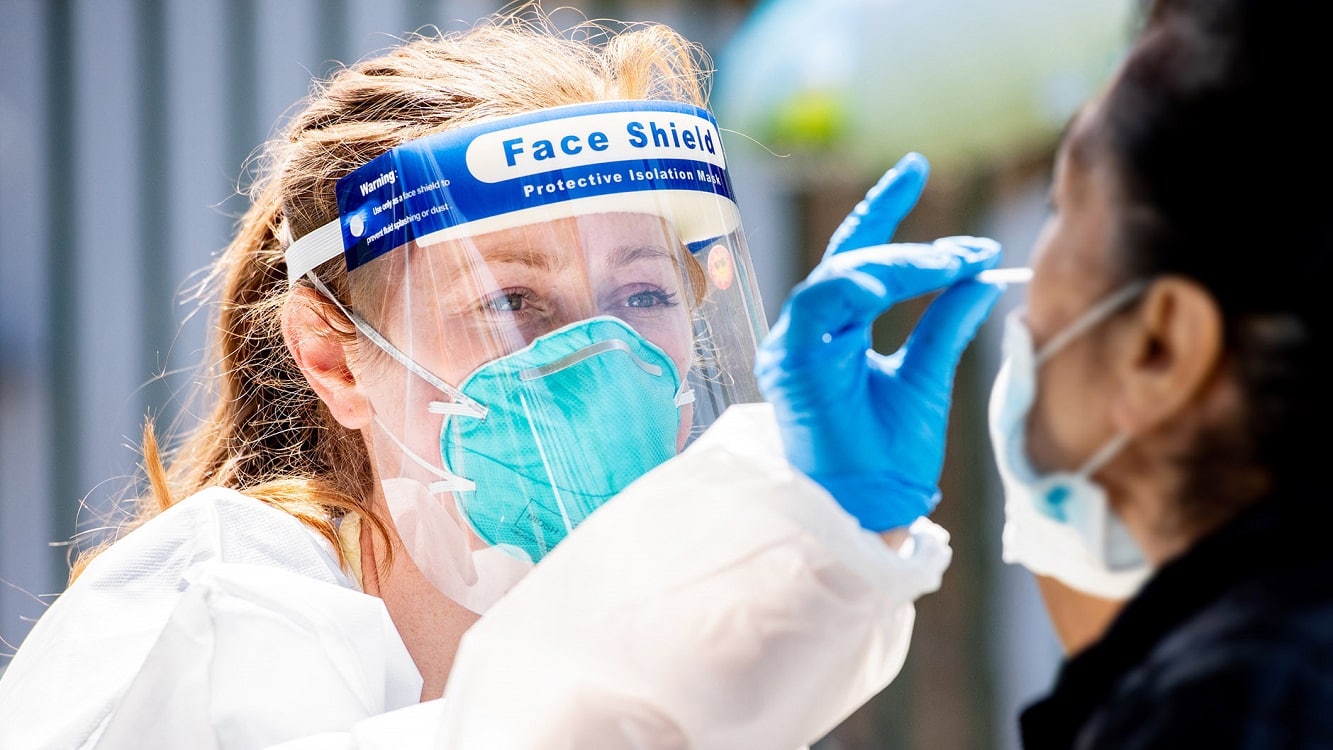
(1005, 276)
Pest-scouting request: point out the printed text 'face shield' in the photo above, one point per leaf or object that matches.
(551, 304)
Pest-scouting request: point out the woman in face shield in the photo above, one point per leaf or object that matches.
(488, 282)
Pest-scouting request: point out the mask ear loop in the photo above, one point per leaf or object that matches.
(684, 394)
(1089, 319)
(1092, 317)
(462, 404)
(449, 482)
(1103, 456)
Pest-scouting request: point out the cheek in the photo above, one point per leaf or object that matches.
(677, 343)
(680, 352)
(673, 335)
(401, 406)
(686, 421)
(1069, 420)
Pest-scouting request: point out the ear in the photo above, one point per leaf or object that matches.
(323, 358)
(1175, 348)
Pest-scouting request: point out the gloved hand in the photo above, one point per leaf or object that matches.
(869, 427)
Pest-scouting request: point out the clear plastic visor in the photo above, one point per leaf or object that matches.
(525, 367)
(522, 377)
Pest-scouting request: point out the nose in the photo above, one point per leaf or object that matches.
(577, 299)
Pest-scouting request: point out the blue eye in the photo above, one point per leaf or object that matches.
(506, 302)
(651, 298)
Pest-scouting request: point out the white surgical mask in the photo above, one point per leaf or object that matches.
(1059, 524)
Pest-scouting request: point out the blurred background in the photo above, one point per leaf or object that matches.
(125, 130)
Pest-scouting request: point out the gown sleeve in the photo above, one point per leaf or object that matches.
(220, 623)
(721, 601)
(253, 655)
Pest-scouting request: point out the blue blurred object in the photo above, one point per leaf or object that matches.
(870, 428)
(863, 81)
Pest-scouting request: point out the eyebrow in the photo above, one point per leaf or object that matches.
(627, 254)
(540, 260)
(463, 262)
(516, 253)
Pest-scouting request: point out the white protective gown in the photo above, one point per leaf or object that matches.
(721, 601)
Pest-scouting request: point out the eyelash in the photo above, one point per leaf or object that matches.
(505, 296)
(524, 300)
(663, 298)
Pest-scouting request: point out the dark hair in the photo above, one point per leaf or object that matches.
(1211, 134)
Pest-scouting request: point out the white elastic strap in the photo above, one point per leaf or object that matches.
(312, 250)
(450, 408)
(466, 405)
(449, 482)
(1092, 317)
(592, 350)
(1103, 455)
(685, 394)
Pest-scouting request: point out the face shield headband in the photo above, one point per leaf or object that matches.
(654, 156)
(530, 438)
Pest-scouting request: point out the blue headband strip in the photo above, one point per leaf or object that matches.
(526, 162)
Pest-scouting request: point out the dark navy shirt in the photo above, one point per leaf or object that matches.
(1228, 646)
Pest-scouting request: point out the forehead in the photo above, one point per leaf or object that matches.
(594, 238)
(1078, 245)
(1076, 158)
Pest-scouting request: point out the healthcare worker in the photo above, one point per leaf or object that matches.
(488, 282)
(745, 610)
(1157, 419)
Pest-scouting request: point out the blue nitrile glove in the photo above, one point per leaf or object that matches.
(867, 427)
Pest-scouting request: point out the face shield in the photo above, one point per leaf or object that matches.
(549, 306)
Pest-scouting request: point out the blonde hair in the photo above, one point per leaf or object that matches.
(267, 433)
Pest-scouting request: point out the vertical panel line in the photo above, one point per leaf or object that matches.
(241, 84)
(156, 311)
(63, 364)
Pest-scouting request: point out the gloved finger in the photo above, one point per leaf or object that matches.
(911, 269)
(851, 290)
(932, 350)
(828, 307)
(874, 220)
